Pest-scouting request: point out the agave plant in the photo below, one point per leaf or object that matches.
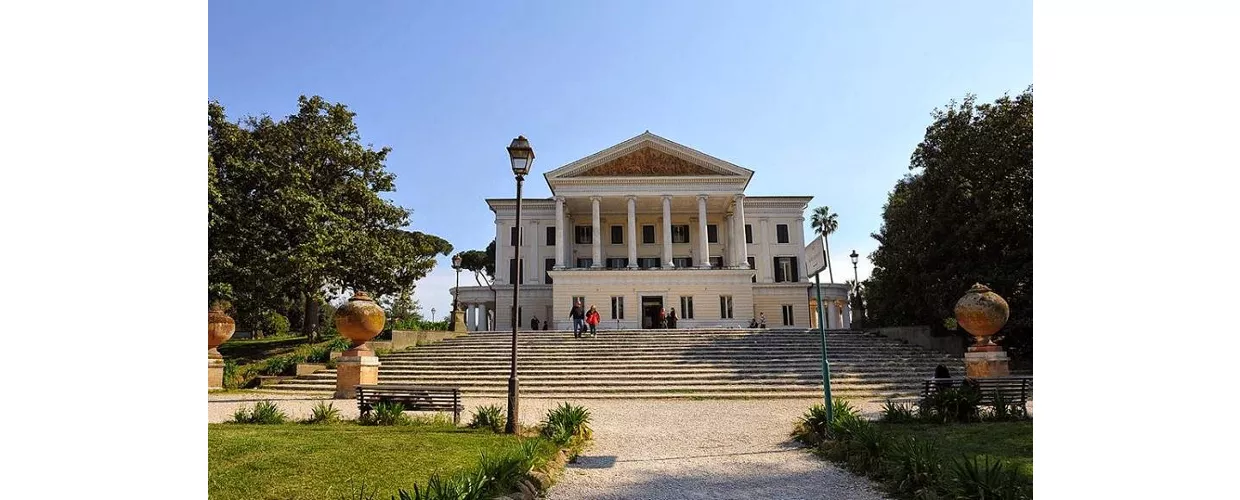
(980, 478)
(323, 413)
(385, 414)
(567, 422)
(915, 466)
(898, 412)
(488, 417)
(264, 412)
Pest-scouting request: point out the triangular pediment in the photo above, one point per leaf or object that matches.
(648, 155)
(647, 162)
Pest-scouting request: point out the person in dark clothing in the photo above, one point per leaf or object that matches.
(671, 319)
(579, 319)
(546, 325)
(534, 323)
(662, 318)
(941, 372)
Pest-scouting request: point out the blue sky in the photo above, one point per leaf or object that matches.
(826, 99)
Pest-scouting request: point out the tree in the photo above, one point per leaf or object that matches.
(824, 223)
(295, 211)
(481, 262)
(964, 215)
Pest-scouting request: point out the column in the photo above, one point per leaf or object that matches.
(703, 241)
(798, 237)
(667, 232)
(501, 253)
(832, 315)
(729, 222)
(470, 317)
(559, 232)
(742, 248)
(484, 319)
(632, 232)
(598, 233)
(763, 260)
(847, 315)
(536, 260)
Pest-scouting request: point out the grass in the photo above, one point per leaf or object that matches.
(1010, 441)
(244, 351)
(297, 461)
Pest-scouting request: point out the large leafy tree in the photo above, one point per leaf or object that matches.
(964, 215)
(825, 223)
(296, 211)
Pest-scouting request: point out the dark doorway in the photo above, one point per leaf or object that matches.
(651, 305)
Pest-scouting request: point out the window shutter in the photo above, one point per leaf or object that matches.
(796, 270)
(779, 270)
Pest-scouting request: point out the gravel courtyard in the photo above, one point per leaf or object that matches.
(665, 449)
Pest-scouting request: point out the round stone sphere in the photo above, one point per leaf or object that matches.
(981, 312)
(360, 319)
(220, 327)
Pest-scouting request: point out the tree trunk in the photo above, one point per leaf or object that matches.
(826, 248)
(310, 320)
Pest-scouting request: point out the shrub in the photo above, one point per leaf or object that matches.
(915, 467)
(264, 412)
(273, 324)
(567, 422)
(323, 413)
(385, 414)
(494, 475)
(898, 413)
(980, 478)
(1003, 410)
(814, 425)
(951, 405)
(488, 417)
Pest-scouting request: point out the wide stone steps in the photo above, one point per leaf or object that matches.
(661, 364)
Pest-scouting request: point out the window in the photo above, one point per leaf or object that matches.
(748, 233)
(550, 235)
(617, 262)
(781, 233)
(617, 235)
(550, 264)
(682, 261)
(585, 235)
(680, 233)
(725, 307)
(648, 262)
(512, 236)
(786, 269)
(754, 278)
(617, 308)
(716, 262)
(712, 233)
(686, 307)
(787, 309)
(585, 262)
(512, 271)
(648, 235)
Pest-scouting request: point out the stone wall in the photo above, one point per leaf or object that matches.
(920, 336)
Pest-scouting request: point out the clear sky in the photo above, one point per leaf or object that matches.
(819, 98)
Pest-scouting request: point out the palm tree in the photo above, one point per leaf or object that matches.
(824, 223)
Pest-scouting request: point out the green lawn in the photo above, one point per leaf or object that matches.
(295, 461)
(242, 351)
(1010, 441)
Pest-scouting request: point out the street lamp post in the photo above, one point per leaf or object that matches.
(522, 157)
(432, 315)
(456, 292)
(856, 283)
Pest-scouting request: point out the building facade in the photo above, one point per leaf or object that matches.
(644, 225)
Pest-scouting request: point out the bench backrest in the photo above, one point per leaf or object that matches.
(1019, 388)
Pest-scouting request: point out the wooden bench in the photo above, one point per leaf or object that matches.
(1013, 389)
(412, 397)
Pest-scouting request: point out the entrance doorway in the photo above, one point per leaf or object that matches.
(651, 305)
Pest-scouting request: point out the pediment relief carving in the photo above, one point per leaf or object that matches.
(648, 162)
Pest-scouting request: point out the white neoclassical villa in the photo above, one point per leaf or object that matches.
(643, 225)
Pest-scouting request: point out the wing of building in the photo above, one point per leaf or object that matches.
(643, 226)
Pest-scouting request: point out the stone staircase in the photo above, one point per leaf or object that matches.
(660, 364)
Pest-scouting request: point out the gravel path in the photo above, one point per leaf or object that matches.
(664, 449)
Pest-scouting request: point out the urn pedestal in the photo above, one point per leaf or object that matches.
(359, 320)
(220, 328)
(982, 312)
(458, 321)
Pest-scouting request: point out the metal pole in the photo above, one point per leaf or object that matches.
(513, 385)
(826, 367)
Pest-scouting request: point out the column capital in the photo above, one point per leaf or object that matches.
(801, 220)
(667, 198)
(738, 196)
(702, 198)
(632, 198)
(559, 199)
(596, 198)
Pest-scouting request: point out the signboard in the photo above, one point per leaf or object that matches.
(815, 257)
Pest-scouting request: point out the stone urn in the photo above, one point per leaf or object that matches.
(981, 312)
(360, 319)
(220, 328)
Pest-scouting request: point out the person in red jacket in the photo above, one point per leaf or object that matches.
(592, 319)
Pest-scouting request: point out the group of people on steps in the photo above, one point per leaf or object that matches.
(589, 318)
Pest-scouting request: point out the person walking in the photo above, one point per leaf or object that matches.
(534, 323)
(579, 317)
(662, 318)
(761, 320)
(592, 319)
(671, 319)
